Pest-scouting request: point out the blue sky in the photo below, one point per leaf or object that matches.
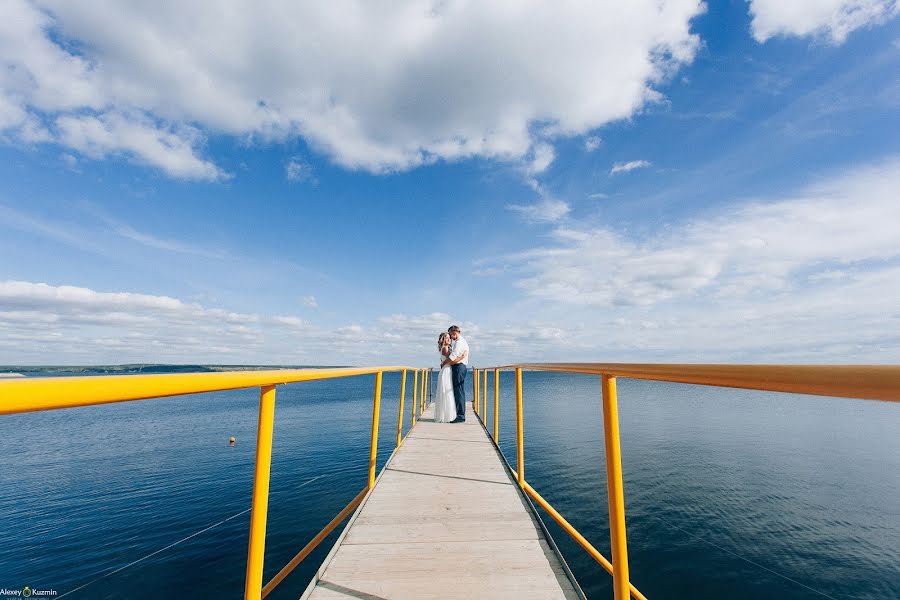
(657, 182)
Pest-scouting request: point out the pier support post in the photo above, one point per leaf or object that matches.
(615, 492)
(260, 504)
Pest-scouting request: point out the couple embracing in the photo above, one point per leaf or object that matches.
(450, 403)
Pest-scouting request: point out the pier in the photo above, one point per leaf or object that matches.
(444, 520)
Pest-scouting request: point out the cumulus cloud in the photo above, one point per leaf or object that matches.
(170, 150)
(542, 157)
(309, 302)
(44, 323)
(77, 325)
(379, 87)
(629, 166)
(592, 143)
(835, 19)
(62, 324)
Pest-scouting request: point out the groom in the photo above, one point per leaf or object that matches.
(459, 358)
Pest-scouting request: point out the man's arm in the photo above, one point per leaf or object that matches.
(457, 360)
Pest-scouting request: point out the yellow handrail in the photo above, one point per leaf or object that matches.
(872, 382)
(589, 548)
(27, 394)
(868, 382)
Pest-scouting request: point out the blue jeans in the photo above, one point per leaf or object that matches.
(458, 372)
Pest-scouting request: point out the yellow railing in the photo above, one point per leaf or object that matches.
(28, 395)
(879, 382)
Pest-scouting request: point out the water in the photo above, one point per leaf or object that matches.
(716, 480)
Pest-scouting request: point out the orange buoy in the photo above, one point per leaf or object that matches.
(231, 441)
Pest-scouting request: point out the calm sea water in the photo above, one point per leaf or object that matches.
(729, 494)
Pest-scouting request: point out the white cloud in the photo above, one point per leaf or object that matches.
(629, 166)
(835, 19)
(598, 196)
(379, 87)
(170, 150)
(592, 143)
(758, 247)
(542, 157)
(808, 276)
(42, 323)
(309, 302)
(48, 324)
(289, 321)
(297, 170)
(547, 210)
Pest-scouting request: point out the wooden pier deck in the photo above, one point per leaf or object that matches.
(445, 520)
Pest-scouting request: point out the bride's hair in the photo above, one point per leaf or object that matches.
(441, 339)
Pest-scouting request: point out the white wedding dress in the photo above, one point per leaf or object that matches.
(444, 403)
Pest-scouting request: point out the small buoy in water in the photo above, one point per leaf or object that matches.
(231, 441)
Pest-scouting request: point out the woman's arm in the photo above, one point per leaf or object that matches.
(445, 350)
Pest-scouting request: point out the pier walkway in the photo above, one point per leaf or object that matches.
(445, 520)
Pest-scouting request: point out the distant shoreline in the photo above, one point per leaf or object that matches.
(14, 371)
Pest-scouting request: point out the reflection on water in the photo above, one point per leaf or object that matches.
(728, 493)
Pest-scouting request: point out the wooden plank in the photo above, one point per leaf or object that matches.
(445, 520)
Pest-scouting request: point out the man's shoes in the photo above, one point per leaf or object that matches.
(458, 420)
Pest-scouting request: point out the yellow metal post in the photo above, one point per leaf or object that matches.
(257, 547)
(476, 400)
(376, 409)
(496, 405)
(400, 414)
(475, 390)
(520, 435)
(422, 391)
(484, 397)
(412, 405)
(615, 491)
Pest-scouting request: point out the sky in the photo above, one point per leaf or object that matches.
(337, 183)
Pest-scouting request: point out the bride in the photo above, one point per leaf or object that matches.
(444, 403)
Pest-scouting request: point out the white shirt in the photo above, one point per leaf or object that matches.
(458, 347)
